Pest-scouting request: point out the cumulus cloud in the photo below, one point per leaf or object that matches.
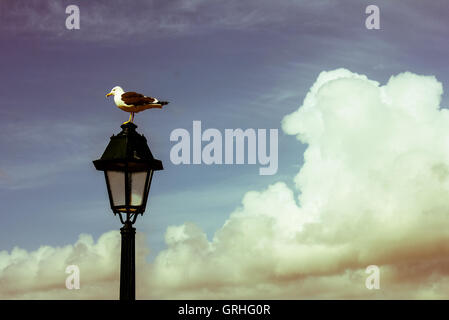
(373, 190)
(41, 274)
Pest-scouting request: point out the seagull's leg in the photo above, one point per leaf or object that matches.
(132, 117)
(129, 120)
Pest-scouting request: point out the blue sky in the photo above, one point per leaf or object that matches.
(233, 64)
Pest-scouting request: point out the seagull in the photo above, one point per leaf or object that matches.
(133, 102)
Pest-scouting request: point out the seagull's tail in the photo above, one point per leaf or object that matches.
(163, 103)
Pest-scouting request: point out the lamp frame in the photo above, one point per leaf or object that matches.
(128, 152)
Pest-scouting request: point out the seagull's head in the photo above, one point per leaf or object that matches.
(114, 91)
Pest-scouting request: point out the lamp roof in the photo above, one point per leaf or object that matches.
(129, 151)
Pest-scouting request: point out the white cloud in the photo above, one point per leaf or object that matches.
(41, 273)
(373, 190)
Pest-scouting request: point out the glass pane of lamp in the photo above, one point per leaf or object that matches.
(117, 187)
(138, 187)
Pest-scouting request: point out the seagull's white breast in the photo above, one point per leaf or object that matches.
(118, 100)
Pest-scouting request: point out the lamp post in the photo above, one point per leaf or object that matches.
(128, 167)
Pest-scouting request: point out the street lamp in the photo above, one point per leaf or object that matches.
(128, 167)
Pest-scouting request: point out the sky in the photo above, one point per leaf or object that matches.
(362, 173)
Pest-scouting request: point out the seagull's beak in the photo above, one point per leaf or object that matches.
(109, 94)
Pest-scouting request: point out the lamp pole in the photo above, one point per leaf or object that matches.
(128, 167)
(128, 263)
